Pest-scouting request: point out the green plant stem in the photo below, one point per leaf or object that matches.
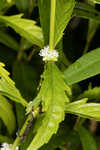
(20, 52)
(30, 55)
(79, 122)
(18, 139)
(31, 6)
(52, 24)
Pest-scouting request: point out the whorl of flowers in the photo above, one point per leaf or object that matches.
(6, 146)
(49, 55)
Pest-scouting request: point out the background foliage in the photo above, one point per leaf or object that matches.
(65, 95)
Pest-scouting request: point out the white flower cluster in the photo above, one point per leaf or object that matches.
(6, 146)
(49, 55)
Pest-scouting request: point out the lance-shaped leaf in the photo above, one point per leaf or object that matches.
(7, 115)
(25, 27)
(85, 110)
(7, 87)
(64, 9)
(85, 67)
(53, 96)
(87, 140)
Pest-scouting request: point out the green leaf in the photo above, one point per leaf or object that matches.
(59, 139)
(88, 142)
(64, 10)
(22, 5)
(53, 96)
(7, 115)
(8, 40)
(85, 67)
(25, 27)
(91, 94)
(7, 87)
(88, 110)
(86, 11)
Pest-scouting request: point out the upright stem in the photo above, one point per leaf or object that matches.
(17, 141)
(52, 24)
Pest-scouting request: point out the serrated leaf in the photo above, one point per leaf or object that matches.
(88, 110)
(7, 115)
(25, 27)
(64, 10)
(88, 142)
(53, 96)
(59, 139)
(85, 67)
(7, 87)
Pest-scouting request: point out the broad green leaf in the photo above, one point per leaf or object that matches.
(86, 11)
(53, 96)
(88, 142)
(88, 110)
(25, 27)
(64, 11)
(85, 67)
(59, 139)
(8, 40)
(64, 137)
(7, 87)
(7, 115)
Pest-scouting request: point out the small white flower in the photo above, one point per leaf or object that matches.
(49, 55)
(6, 146)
